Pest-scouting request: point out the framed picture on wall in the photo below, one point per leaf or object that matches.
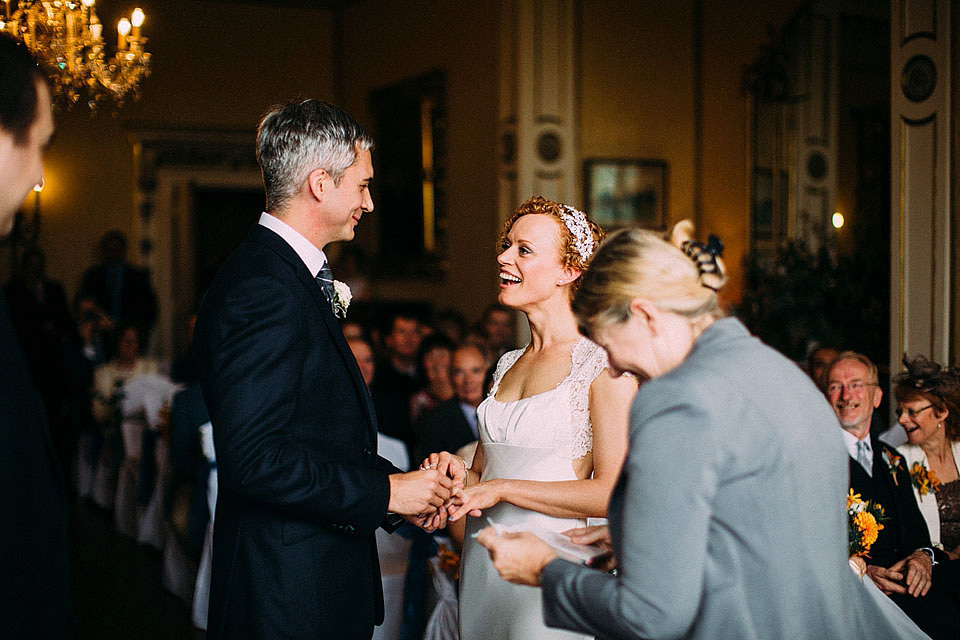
(625, 192)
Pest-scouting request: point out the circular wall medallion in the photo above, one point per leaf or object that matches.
(919, 78)
(817, 165)
(548, 146)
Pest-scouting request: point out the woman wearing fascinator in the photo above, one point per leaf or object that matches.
(928, 406)
(553, 429)
(727, 520)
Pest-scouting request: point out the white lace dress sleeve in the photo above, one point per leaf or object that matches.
(589, 360)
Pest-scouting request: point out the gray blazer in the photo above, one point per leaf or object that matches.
(728, 520)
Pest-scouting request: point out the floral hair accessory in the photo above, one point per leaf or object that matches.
(704, 255)
(579, 228)
(925, 480)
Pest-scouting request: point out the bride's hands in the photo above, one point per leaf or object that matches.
(449, 464)
(475, 498)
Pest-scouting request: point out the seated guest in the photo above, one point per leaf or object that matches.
(902, 561)
(452, 324)
(453, 423)
(498, 328)
(109, 380)
(928, 399)
(396, 380)
(433, 367)
(820, 357)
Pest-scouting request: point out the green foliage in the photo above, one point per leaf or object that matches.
(800, 296)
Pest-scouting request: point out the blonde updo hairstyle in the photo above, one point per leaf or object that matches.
(637, 263)
(570, 258)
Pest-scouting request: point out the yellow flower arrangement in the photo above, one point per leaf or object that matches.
(864, 523)
(925, 480)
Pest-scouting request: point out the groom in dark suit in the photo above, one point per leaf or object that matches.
(919, 578)
(301, 487)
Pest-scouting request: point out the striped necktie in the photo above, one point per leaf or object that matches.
(324, 278)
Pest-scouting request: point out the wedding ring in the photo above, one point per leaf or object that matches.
(428, 466)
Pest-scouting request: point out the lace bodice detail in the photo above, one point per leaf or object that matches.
(558, 419)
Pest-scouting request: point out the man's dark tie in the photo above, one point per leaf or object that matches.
(324, 278)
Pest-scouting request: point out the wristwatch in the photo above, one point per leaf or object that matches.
(929, 552)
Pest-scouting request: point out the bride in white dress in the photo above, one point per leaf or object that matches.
(553, 431)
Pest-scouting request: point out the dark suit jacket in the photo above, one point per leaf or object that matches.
(301, 488)
(905, 530)
(34, 554)
(443, 428)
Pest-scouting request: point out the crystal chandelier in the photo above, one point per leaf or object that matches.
(68, 37)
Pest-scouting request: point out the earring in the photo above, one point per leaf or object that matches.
(939, 425)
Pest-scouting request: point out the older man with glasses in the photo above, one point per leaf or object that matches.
(902, 562)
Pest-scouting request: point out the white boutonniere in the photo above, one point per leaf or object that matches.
(341, 298)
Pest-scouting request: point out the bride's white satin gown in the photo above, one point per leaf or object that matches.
(535, 438)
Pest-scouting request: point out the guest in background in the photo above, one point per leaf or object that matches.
(902, 562)
(452, 324)
(396, 380)
(34, 551)
(353, 329)
(108, 391)
(41, 316)
(498, 328)
(928, 406)
(433, 368)
(184, 367)
(453, 423)
(122, 290)
(94, 329)
(819, 359)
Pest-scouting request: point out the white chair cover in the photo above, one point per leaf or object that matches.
(443, 623)
(144, 396)
(201, 593)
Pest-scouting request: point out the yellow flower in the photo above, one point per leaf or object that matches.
(925, 480)
(869, 529)
(852, 498)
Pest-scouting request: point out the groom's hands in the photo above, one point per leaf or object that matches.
(453, 471)
(419, 493)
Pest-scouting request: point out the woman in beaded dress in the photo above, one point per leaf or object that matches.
(553, 429)
(928, 398)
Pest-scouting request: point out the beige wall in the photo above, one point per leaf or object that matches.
(388, 41)
(638, 100)
(638, 90)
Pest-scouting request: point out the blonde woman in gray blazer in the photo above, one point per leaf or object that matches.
(728, 520)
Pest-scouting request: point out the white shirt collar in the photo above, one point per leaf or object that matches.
(851, 441)
(312, 257)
